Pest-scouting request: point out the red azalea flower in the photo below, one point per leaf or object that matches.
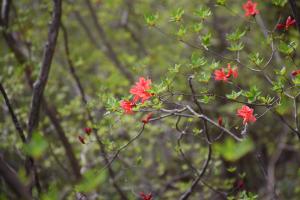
(233, 72)
(220, 121)
(146, 196)
(81, 139)
(289, 22)
(146, 119)
(220, 75)
(127, 106)
(250, 8)
(140, 90)
(87, 130)
(247, 114)
(296, 72)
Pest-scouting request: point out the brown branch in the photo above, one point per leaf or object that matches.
(40, 84)
(71, 64)
(110, 52)
(13, 181)
(13, 115)
(52, 114)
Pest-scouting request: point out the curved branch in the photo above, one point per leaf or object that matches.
(187, 194)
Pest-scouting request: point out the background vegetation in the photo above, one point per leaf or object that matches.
(66, 65)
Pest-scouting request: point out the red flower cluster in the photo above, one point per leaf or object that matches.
(127, 106)
(247, 114)
(220, 75)
(250, 8)
(140, 90)
(289, 22)
(146, 196)
(296, 72)
(141, 93)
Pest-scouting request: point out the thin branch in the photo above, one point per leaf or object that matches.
(110, 52)
(187, 194)
(214, 123)
(199, 107)
(13, 115)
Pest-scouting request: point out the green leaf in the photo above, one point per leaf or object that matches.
(206, 40)
(206, 99)
(91, 180)
(197, 61)
(236, 46)
(221, 2)
(181, 32)
(236, 35)
(252, 94)
(234, 95)
(204, 77)
(151, 19)
(231, 169)
(231, 150)
(280, 3)
(203, 12)
(177, 15)
(37, 146)
(287, 48)
(256, 59)
(296, 80)
(198, 27)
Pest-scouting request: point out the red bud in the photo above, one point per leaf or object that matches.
(220, 121)
(295, 72)
(87, 130)
(146, 119)
(81, 139)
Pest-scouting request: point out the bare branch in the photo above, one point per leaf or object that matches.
(41, 82)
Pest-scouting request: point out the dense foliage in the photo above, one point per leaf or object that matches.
(132, 99)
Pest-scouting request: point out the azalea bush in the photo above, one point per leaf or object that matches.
(150, 100)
